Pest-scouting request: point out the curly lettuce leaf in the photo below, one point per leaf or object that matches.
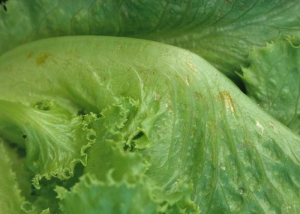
(118, 136)
(273, 80)
(93, 196)
(122, 166)
(221, 31)
(55, 140)
(45, 198)
(16, 192)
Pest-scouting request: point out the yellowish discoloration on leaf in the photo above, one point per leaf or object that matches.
(41, 59)
(273, 126)
(228, 102)
(187, 80)
(189, 64)
(157, 96)
(260, 127)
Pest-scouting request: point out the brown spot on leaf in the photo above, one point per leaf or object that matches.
(228, 102)
(41, 59)
(198, 95)
(29, 55)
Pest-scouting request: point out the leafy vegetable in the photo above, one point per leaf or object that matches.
(221, 31)
(53, 137)
(100, 124)
(273, 80)
(11, 200)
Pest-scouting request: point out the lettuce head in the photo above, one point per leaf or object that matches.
(149, 107)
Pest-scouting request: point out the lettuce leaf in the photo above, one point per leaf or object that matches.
(273, 80)
(91, 196)
(169, 116)
(10, 193)
(221, 31)
(55, 141)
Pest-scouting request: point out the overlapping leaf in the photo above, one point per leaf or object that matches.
(201, 129)
(10, 193)
(55, 140)
(221, 31)
(273, 80)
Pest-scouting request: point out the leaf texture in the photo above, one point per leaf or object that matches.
(223, 32)
(190, 123)
(273, 80)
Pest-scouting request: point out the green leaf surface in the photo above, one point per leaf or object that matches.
(273, 80)
(55, 140)
(10, 193)
(17, 196)
(200, 128)
(221, 31)
(92, 196)
(114, 143)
